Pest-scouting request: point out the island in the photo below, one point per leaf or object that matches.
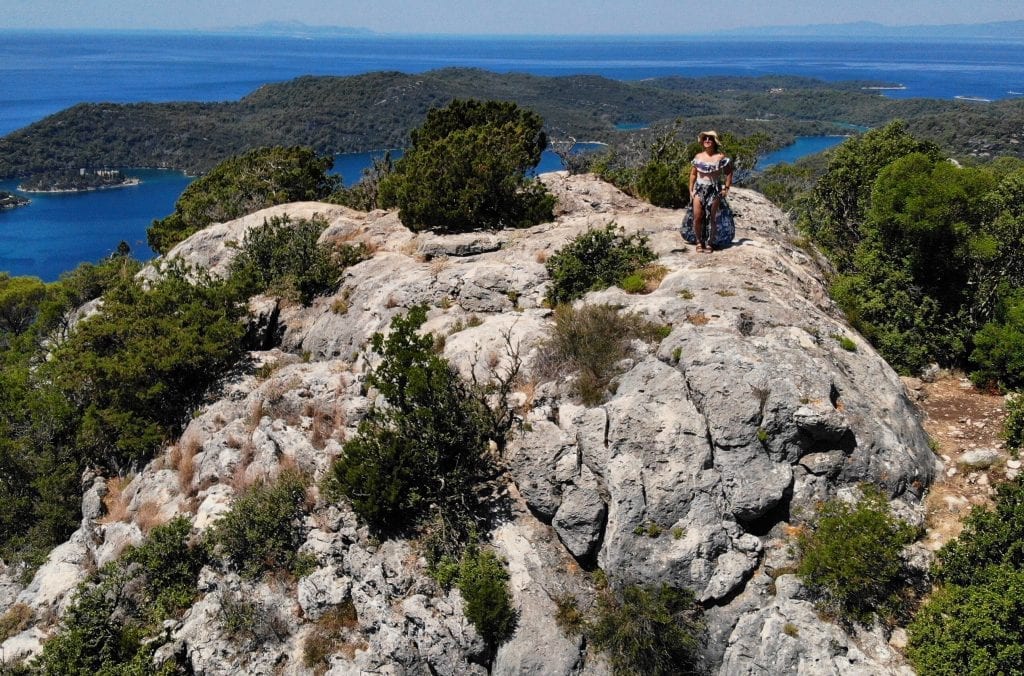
(77, 182)
(9, 200)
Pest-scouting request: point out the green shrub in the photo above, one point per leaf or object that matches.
(972, 630)
(92, 638)
(264, 528)
(1013, 426)
(137, 369)
(467, 168)
(241, 185)
(990, 537)
(169, 566)
(424, 447)
(248, 623)
(649, 630)
(999, 346)
(595, 260)
(113, 625)
(483, 583)
(852, 557)
(568, 616)
(588, 343)
(286, 258)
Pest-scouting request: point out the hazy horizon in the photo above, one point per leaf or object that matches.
(529, 17)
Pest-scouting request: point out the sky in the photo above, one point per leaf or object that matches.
(558, 17)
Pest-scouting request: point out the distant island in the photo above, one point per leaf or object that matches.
(77, 182)
(359, 113)
(10, 200)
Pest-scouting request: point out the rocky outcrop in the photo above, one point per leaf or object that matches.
(749, 412)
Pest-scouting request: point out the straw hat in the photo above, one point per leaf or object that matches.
(709, 134)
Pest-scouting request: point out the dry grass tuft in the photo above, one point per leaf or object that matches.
(186, 450)
(698, 318)
(115, 501)
(333, 633)
(149, 517)
(17, 619)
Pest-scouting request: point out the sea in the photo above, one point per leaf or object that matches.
(45, 72)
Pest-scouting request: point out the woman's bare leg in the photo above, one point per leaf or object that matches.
(698, 225)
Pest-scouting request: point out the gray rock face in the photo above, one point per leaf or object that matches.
(748, 411)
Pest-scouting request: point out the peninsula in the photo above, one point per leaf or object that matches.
(9, 200)
(77, 182)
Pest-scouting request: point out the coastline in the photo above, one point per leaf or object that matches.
(127, 183)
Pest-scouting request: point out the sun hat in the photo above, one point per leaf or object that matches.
(708, 134)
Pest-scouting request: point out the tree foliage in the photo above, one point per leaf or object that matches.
(483, 583)
(973, 623)
(467, 169)
(925, 251)
(241, 185)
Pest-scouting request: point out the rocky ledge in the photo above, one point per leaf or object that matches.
(749, 412)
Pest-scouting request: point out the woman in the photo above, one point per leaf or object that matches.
(709, 169)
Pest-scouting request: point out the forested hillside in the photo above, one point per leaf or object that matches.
(378, 110)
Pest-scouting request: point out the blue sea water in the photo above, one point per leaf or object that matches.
(44, 72)
(804, 145)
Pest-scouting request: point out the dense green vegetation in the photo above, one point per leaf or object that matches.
(379, 110)
(974, 621)
(467, 168)
(851, 559)
(118, 609)
(241, 185)
(483, 583)
(109, 389)
(925, 251)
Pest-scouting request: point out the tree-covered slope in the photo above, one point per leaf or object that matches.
(378, 110)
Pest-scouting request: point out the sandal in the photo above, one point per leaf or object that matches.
(700, 248)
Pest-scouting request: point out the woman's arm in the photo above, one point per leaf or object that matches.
(693, 180)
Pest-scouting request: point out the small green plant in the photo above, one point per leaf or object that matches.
(568, 616)
(595, 260)
(286, 258)
(725, 293)
(762, 435)
(264, 528)
(678, 532)
(851, 558)
(483, 583)
(648, 630)
(685, 294)
(248, 623)
(845, 342)
(790, 629)
(425, 448)
(677, 354)
(633, 283)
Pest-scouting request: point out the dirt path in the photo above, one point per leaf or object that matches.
(965, 425)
